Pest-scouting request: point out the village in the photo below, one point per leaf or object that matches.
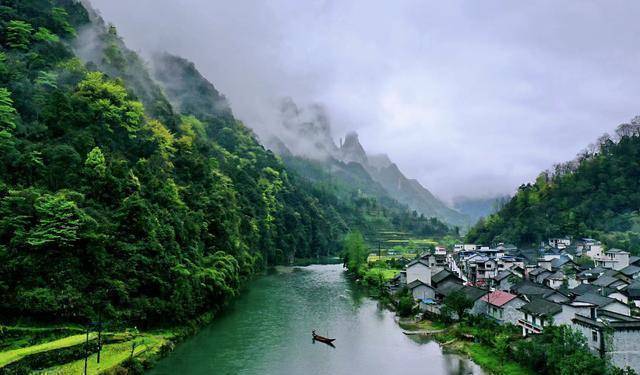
(578, 283)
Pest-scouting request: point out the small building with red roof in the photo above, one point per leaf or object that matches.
(503, 306)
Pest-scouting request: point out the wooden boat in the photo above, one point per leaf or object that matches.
(322, 339)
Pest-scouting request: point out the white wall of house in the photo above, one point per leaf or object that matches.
(625, 349)
(554, 284)
(593, 336)
(569, 312)
(510, 312)
(419, 271)
(594, 250)
(423, 292)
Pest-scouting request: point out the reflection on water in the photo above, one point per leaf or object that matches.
(268, 331)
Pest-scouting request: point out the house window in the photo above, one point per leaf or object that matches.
(594, 335)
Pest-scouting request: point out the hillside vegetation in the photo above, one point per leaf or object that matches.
(597, 195)
(132, 193)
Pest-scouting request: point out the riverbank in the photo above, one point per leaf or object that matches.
(457, 337)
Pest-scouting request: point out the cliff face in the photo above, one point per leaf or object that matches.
(307, 134)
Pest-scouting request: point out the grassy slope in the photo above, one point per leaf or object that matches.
(10, 356)
(112, 355)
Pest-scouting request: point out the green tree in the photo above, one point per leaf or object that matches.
(458, 302)
(355, 251)
(45, 35)
(7, 114)
(19, 34)
(59, 221)
(96, 163)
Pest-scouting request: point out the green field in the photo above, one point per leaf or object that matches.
(19, 350)
(111, 356)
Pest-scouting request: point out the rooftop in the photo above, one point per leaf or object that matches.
(414, 262)
(584, 288)
(440, 276)
(416, 283)
(498, 298)
(541, 306)
(595, 299)
(503, 275)
(630, 270)
(473, 293)
(605, 280)
(448, 287)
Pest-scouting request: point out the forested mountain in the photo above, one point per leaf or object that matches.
(597, 195)
(307, 135)
(111, 201)
(135, 194)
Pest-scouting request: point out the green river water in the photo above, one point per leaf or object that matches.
(268, 331)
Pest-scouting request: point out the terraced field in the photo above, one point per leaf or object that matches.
(43, 351)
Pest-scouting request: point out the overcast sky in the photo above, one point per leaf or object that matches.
(469, 97)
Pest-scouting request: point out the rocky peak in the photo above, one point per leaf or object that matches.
(352, 150)
(380, 161)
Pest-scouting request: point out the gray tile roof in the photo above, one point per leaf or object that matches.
(416, 261)
(448, 287)
(538, 271)
(416, 283)
(584, 288)
(503, 275)
(633, 290)
(595, 299)
(541, 306)
(605, 280)
(438, 277)
(630, 270)
(474, 293)
(558, 275)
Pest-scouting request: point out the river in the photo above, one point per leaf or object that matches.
(268, 331)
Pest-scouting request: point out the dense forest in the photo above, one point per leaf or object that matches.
(132, 192)
(596, 195)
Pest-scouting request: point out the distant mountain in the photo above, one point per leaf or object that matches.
(306, 133)
(477, 208)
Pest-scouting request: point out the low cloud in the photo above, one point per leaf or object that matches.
(470, 98)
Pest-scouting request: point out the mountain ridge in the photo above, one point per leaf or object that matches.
(309, 138)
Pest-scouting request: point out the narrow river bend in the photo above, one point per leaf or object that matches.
(268, 331)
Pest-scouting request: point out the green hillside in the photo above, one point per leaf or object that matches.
(134, 194)
(597, 195)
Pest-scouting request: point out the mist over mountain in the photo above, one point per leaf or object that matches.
(306, 132)
(477, 208)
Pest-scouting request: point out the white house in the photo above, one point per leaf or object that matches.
(615, 259)
(612, 336)
(590, 248)
(419, 270)
(605, 303)
(560, 243)
(537, 314)
(503, 306)
(421, 291)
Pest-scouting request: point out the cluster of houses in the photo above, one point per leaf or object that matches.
(534, 288)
